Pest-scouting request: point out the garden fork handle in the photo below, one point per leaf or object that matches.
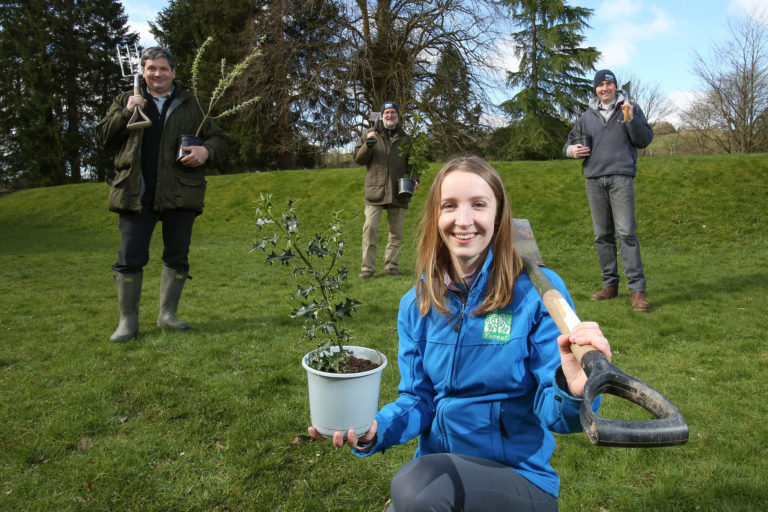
(139, 119)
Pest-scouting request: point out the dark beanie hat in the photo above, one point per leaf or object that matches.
(390, 104)
(604, 74)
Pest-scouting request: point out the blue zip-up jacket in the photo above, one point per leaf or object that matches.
(482, 385)
(614, 142)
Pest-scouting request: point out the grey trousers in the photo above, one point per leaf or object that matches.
(450, 482)
(612, 202)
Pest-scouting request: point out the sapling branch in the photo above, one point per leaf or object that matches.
(226, 80)
(324, 303)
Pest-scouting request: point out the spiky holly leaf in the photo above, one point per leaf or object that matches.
(263, 221)
(265, 241)
(306, 311)
(346, 308)
(298, 271)
(317, 248)
(283, 258)
(291, 223)
(304, 292)
(332, 284)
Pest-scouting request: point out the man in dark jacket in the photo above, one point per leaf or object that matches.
(386, 162)
(608, 144)
(151, 186)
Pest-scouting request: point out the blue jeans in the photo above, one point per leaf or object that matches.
(447, 482)
(612, 201)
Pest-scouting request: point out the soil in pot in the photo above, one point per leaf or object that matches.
(358, 365)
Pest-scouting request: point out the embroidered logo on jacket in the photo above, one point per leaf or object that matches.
(498, 327)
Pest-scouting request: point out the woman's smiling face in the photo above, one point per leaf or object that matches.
(467, 219)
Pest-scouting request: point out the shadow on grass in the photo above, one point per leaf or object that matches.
(697, 288)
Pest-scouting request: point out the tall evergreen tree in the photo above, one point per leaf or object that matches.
(307, 110)
(553, 63)
(451, 108)
(296, 77)
(58, 77)
(327, 63)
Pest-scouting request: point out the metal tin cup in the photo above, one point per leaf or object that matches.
(186, 141)
(584, 140)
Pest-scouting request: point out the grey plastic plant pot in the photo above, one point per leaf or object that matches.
(405, 188)
(340, 401)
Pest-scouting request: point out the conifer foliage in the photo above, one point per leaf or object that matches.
(550, 79)
(59, 74)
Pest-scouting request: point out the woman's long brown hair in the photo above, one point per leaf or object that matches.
(433, 259)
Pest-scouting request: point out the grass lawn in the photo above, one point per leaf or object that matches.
(212, 419)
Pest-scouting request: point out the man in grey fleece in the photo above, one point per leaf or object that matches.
(608, 144)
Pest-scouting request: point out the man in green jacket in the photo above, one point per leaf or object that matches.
(386, 162)
(151, 186)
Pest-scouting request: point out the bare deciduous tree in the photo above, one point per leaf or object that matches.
(395, 45)
(648, 95)
(730, 114)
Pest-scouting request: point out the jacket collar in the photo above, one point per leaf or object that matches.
(594, 102)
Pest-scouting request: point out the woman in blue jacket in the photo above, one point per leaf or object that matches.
(485, 377)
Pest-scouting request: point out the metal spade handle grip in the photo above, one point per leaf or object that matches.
(668, 429)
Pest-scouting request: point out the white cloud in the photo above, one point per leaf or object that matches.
(617, 53)
(140, 13)
(680, 101)
(611, 10)
(143, 10)
(628, 23)
(146, 39)
(748, 7)
(506, 49)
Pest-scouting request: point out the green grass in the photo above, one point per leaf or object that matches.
(204, 420)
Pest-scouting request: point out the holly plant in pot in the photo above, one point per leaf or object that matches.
(343, 379)
(224, 83)
(416, 150)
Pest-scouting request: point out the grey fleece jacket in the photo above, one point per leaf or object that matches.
(614, 142)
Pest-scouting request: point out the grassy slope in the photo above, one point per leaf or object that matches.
(204, 420)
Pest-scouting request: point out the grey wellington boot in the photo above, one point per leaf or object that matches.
(128, 299)
(171, 285)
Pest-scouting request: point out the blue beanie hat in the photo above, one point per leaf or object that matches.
(390, 104)
(604, 74)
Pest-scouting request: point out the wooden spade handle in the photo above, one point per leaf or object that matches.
(561, 312)
(139, 119)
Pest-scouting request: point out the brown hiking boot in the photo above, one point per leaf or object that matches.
(639, 302)
(608, 292)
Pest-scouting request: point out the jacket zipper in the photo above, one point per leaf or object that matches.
(456, 347)
(440, 416)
